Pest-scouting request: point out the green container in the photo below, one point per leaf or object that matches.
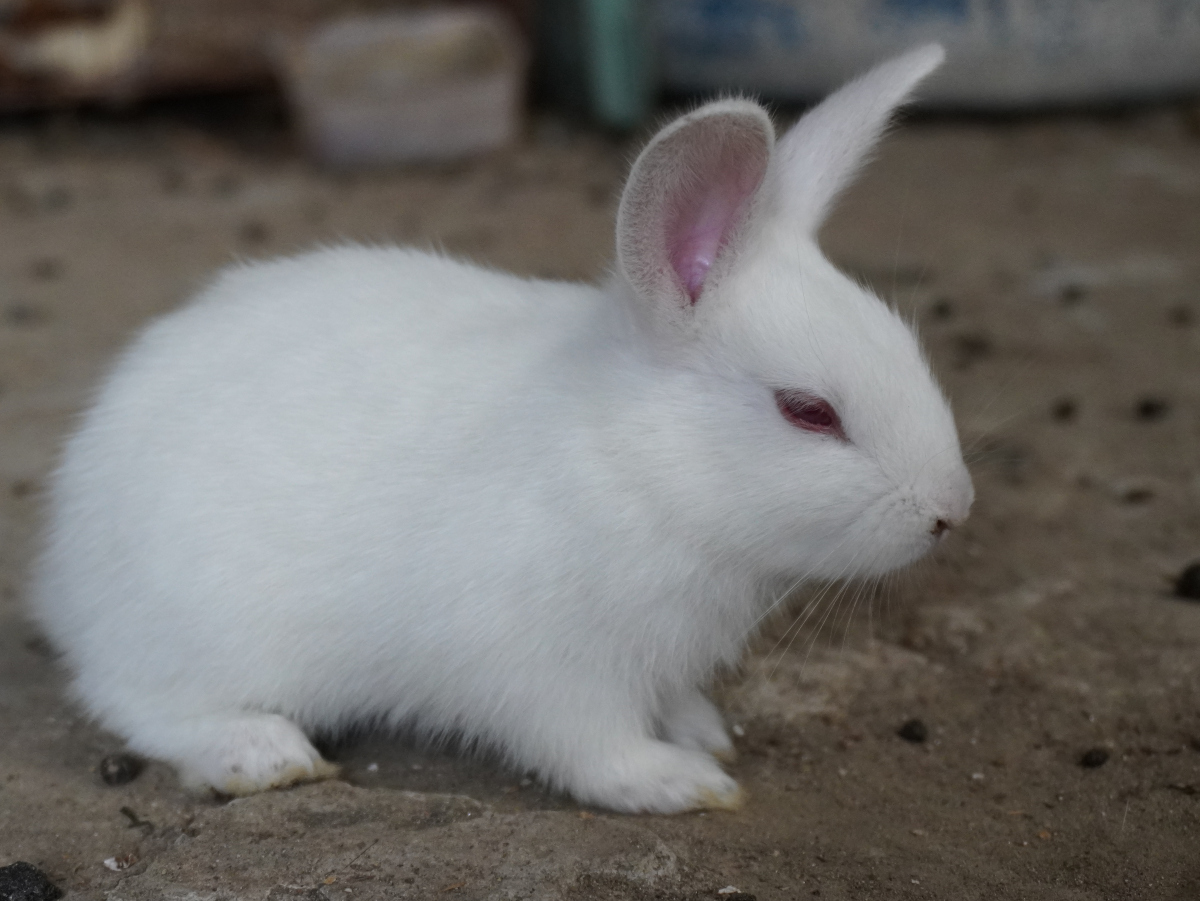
(596, 58)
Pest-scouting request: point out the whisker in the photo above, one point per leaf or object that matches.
(806, 614)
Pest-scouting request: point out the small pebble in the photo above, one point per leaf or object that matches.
(1072, 293)
(118, 769)
(942, 308)
(1093, 758)
(1137, 491)
(24, 315)
(22, 881)
(1151, 409)
(914, 731)
(1180, 316)
(1188, 583)
(1064, 409)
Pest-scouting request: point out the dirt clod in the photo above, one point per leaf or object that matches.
(914, 730)
(119, 769)
(1180, 316)
(1072, 293)
(942, 308)
(1093, 757)
(25, 315)
(23, 881)
(1064, 409)
(1151, 409)
(1188, 583)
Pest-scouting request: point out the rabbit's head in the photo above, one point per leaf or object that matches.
(795, 420)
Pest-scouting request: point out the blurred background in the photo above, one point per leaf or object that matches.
(1036, 215)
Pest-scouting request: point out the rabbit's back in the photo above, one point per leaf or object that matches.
(286, 476)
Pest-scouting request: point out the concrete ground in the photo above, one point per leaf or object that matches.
(1053, 266)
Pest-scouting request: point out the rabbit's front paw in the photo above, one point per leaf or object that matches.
(658, 777)
(693, 721)
(237, 754)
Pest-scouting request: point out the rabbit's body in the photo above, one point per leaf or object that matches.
(257, 468)
(372, 485)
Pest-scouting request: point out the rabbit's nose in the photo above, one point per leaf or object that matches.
(945, 523)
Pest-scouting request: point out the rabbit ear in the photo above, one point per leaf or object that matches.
(824, 150)
(688, 196)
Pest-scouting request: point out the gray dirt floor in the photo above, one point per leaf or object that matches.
(1052, 265)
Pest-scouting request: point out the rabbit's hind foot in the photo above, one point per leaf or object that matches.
(235, 754)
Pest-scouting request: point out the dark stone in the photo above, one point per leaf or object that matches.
(118, 769)
(1072, 293)
(22, 881)
(1180, 316)
(1093, 758)
(942, 308)
(24, 315)
(1137, 494)
(1064, 409)
(1151, 409)
(914, 731)
(1188, 583)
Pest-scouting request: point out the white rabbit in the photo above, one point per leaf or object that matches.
(380, 486)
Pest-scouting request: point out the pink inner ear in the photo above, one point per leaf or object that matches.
(705, 215)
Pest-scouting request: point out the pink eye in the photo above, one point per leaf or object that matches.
(809, 413)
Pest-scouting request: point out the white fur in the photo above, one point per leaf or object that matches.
(375, 485)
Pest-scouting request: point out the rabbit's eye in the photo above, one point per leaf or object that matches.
(809, 413)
